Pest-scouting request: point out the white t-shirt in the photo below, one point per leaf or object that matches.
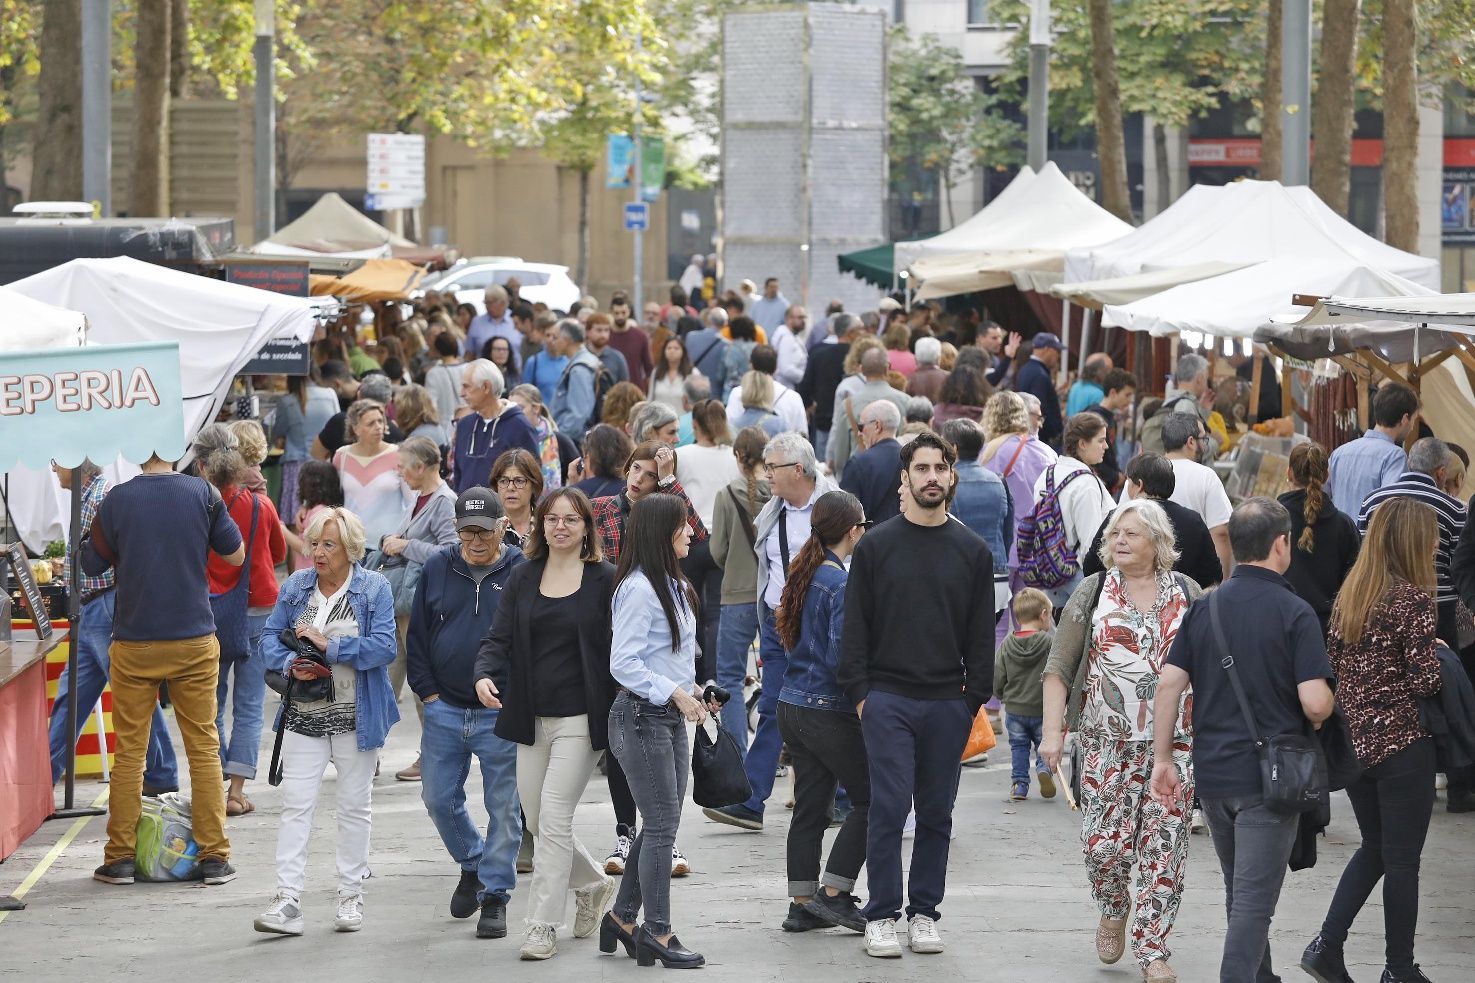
(1198, 487)
(704, 472)
(786, 404)
(1084, 503)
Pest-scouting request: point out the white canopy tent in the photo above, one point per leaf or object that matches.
(219, 326)
(332, 227)
(1030, 225)
(31, 325)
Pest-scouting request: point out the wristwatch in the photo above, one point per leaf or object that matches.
(667, 481)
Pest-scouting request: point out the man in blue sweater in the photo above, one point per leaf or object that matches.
(493, 427)
(1036, 377)
(454, 604)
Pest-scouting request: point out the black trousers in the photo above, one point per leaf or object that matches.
(706, 576)
(1393, 801)
(828, 750)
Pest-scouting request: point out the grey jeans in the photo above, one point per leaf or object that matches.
(650, 744)
(1253, 845)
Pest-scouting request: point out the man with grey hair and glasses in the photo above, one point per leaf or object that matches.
(781, 528)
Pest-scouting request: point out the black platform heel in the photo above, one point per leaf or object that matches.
(612, 934)
(672, 955)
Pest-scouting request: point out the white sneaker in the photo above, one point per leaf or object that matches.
(589, 907)
(679, 866)
(1441, 782)
(282, 917)
(922, 935)
(881, 939)
(615, 862)
(538, 943)
(350, 916)
(1197, 823)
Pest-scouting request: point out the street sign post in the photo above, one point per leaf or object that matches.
(637, 216)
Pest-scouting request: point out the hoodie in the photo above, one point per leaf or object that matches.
(1019, 673)
(479, 442)
(450, 615)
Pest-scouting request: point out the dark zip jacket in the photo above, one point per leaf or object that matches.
(451, 613)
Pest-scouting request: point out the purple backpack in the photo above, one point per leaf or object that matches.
(1046, 560)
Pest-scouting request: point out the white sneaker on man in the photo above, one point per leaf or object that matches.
(350, 915)
(881, 939)
(922, 935)
(282, 917)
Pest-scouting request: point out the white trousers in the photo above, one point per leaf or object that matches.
(304, 759)
(551, 776)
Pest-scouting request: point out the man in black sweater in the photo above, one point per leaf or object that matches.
(823, 374)
(917, 660)
(1151, 476)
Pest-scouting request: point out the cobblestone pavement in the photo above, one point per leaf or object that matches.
(1017, 907)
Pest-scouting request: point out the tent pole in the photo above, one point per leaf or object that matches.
(1086, 315)
(1064, 341)
(74, 612)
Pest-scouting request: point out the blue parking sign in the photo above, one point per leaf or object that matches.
(637, 216)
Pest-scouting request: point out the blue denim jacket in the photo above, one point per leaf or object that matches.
(810, 679)
(370, 653)
(983, 504)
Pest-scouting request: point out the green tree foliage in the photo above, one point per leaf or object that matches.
(20, 53)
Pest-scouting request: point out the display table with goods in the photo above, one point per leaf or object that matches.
(25, 764)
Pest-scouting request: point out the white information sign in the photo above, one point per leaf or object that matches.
(397, 168)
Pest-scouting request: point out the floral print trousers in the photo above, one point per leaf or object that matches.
(1122, 826)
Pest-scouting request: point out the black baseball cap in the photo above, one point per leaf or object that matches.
(478, 507)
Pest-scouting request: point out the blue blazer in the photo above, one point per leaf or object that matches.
(873, 476)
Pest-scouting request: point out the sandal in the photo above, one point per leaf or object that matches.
(1158, 971)
(1111, 939)
(238, 805)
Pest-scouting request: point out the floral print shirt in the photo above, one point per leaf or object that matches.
(1128, 648)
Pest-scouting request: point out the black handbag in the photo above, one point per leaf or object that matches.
(1293, 771)
(299, 690)
(718, 778)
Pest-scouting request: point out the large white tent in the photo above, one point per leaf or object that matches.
(219, 326)
(1241, 225)
(1029, 225)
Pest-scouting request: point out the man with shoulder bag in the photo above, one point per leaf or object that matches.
(1261, 687)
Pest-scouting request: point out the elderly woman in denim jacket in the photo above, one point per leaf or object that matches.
(347, 614)
(819, 725)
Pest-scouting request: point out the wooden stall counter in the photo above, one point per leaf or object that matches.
(25, 759)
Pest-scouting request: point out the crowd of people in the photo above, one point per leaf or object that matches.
(569, 532)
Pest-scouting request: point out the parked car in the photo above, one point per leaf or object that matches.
(468, 280)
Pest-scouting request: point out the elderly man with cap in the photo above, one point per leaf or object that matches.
(1036, 377)
(454, 604)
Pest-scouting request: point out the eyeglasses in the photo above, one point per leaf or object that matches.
(771, 468)
(563, 520)
(485, 535)
(517, 481)
(866, 523)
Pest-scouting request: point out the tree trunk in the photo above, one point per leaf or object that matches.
(1400, 125)
(1331, 109)
(583, 267)
(1272, 138)
(57, 165)
(1160, 160)
(149, 194)
(179, 54)
(1111, 144)
(947, 196)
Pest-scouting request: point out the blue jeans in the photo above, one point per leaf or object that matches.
(93, 636)
(735, 634)
(238, 755)
(451, 736)
(762, 759)
(1024, 735)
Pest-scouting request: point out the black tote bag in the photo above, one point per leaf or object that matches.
(718, 778)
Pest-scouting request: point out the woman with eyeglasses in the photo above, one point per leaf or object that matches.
(552, 634)
(818, 723)
(517, 479)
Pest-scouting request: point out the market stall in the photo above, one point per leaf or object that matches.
(333, 227)
(375, 281)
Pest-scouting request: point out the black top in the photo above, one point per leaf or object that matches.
(1462, 567)
(914, 624)
(558, 673)
(823, 374)
(334, 436)
(1035, 378)
(1196, 556)
(873, 476)
(1318, 575)
(1274, 651)
(1269, 408)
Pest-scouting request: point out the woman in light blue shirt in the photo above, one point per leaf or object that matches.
(653, 658)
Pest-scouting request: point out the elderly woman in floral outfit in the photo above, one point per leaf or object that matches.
(1109, 650)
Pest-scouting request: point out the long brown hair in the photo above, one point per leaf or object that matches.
(748, 448)
(709, 418)
(1309, 470)
(648, 547)
(835, 514)
(537, 545)
(1399, 545)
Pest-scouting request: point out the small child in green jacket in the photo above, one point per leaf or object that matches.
(1019, 682)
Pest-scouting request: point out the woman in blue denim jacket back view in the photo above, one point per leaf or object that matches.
(820, 725)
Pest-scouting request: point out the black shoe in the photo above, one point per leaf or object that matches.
(739, 815)
(493, 921)
(672, 955)
(841, 910)
(1460, 803)
(463, 899)
(612, 933)
(213, 870)
(1415, 975)
(1322, 961)
(801, 919)
(153, 790)
(117, 872)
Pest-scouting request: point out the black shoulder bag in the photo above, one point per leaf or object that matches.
(1293, 772)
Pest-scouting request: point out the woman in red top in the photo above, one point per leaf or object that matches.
(1382, 648)
(218, 457)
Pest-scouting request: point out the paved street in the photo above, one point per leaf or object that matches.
(1017, 909)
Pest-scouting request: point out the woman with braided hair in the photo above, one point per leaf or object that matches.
(1324, 541)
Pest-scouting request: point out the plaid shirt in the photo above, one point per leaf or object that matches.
(92, 497)
(611, 512)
